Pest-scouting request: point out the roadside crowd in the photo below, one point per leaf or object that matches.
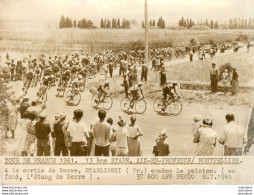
(38, 136)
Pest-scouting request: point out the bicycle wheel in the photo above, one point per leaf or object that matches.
(76, 99)
(125, 104)
(108, 102)
(38, 96)
(44, 97)
(175, 107)
(140, 106)
(158, 104)
(95, 100)
(68, 96)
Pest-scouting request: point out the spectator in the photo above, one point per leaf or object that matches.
(214, 73)
(23, 134)
(125, 85)
(58, 133)
(162, 148)
(112, 140)
(42, 132)
(250, 133)
(197, 119)
(23, 106)
(205, 137)
(191, 56)
(102, 135)
(134, 132)
(121, 138)
(163, 76)
(233, 137)
(234, 82)
(144, 71)
(225, 80)
(111, 68)
(130, 77)
(31, 139)
(77, 132)
(13, 117)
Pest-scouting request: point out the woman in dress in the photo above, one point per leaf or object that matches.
(23, 134)
(134, 132)
(234, 82)
(30, 145)
(205, 138)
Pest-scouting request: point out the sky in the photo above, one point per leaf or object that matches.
(170, 10)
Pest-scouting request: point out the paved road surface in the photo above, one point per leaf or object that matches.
(178, 127)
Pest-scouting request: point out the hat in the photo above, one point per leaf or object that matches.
(62, 116)
(106, 82)
(121, 122)
(140, 83)
(207, 121)
(163, 134)
(196, 117)
(43, 114)
(80, 77)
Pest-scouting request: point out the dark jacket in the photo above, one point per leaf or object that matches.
(42, 130)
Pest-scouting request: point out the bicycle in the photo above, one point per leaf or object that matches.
(138, 104)
(61, 89)
(107, 101)
(73, 96)
(172, 104)
(42, 94)
(82, 85)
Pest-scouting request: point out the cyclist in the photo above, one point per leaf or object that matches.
(77, 82)
(66, 77)
(136, 92)
(29, 78)
(103, 90)
(168, 93)
(37, 72)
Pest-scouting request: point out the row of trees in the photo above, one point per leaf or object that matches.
(160, 23)
(115, 23)
(211, 24)
(236, 23)
(241, 23)
(67, 23)
(186, 22)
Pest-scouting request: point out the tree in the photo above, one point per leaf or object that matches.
(118, 23)
(153, 23)
(211, 24)
(74, 24)
(102, 25)
(62, 22)
(249, 23)
(143, 24)
(150, 23)
(108, 24)
(114, 23)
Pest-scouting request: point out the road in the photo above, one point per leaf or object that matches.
(178, 127)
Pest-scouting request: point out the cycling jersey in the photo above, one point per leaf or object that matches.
(30, 75)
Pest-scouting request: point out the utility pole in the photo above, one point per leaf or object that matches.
(146, 33)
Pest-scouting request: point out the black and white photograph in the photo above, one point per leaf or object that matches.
(126, 78)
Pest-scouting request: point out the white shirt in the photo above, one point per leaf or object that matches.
(121, 137)
(77, 131)
(233, 135)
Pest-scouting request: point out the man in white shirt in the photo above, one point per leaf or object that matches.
(102, 134)
(233, 137)
(77, 131)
